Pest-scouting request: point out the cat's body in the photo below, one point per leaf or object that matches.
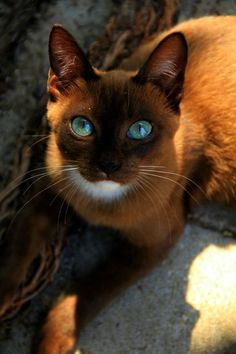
(204, 140)
(141, 187)
(207, 120)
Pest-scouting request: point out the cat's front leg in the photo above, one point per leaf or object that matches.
(125, 265)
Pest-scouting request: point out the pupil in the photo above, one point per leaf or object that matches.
(141, 130)
(85, 126)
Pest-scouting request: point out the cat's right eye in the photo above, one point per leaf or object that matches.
(140, 130)
(81, 126)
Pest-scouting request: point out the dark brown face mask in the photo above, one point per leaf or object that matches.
(115, 121)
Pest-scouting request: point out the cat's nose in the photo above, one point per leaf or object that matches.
(109, 166)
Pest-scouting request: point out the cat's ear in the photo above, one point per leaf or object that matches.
(166, 67)
(67, 60)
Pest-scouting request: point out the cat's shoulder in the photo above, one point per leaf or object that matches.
(199, 33)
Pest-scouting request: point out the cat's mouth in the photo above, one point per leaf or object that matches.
(104, 190)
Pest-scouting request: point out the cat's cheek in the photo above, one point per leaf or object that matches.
(53, 157)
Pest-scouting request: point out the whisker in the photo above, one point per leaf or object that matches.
(14, 184)
(35, 196)
(46, 174)
(149, 186)
(154, 169)
(146, 178)
(35, 135)
(38, 141)
(147, 166)
(74, 191)
(72, 184)
(143, 182)
(57, 194)
(173, 181)
(60, 210)
(29, 172)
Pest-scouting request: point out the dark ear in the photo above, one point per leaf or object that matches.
(166, 66)
(67, 60)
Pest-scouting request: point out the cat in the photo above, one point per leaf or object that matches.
(137, 148)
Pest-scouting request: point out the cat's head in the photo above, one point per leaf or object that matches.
(110, 128)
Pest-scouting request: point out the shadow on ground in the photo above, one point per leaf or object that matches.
(184, 306)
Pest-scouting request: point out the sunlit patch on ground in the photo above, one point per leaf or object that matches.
(212, 291)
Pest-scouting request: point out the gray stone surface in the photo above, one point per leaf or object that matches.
(187, 305)
(22, 103)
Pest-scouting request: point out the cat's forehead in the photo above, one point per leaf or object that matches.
(114, 97)
(115, 84)
(116, 90)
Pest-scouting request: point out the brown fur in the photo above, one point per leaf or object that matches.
(200, 145)
(194, 141)
(207, 120)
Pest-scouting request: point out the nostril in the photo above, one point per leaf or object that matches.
(109, 166)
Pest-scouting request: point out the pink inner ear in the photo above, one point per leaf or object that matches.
(53, 82)
(166, 67)
(54, 87)
(167, 60)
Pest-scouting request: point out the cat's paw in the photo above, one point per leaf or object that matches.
(56, 345)
(59, 333)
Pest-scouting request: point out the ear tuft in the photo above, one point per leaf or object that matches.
(166, 67)
(67, 60)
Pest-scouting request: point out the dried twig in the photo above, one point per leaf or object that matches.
(133, 23)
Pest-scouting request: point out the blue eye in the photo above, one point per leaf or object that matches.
(139, 130)
(82, 126)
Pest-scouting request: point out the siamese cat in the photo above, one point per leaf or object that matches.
(134, 149)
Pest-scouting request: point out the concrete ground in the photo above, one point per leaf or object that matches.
(187, 305)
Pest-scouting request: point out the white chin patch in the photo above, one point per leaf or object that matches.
(102, 190)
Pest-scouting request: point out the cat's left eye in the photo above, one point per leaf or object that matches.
(139, 130)
(81, 126)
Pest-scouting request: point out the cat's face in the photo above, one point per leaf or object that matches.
(107, 127)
